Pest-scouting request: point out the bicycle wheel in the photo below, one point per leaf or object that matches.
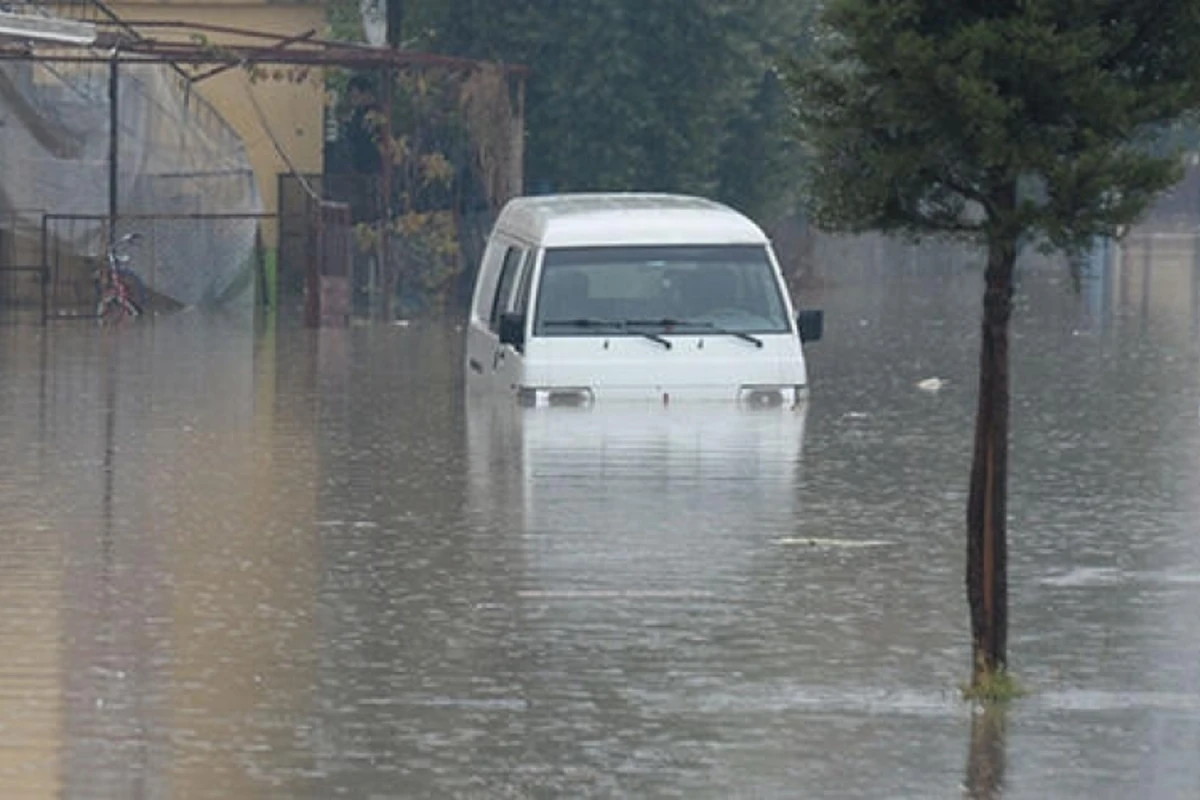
(135, 287)
(114, 308)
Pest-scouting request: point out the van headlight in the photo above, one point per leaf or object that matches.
(542, 396)
(769, 396)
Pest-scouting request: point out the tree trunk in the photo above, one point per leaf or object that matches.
(987, 546)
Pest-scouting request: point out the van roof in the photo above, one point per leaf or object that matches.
(596, 220)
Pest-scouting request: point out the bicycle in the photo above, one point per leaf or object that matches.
(120, 292)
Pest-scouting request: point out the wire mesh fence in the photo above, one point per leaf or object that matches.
(177, 160)
(20, 260)
(188, 247)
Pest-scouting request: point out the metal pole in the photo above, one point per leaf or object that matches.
(45, 276)
(385, 206)
(113, 142)
(395, 23)
(394, 36)
(312, 273)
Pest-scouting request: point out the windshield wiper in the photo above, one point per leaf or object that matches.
(654, 337)
(584, 322)
(668, 322)
(588, 322)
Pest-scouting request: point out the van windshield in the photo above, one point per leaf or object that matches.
(630, 290)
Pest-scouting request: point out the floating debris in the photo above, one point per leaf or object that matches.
(849, 544)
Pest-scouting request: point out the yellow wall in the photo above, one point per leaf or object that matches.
(293, 111)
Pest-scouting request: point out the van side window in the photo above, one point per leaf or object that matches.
(504, 287)
(521, 306)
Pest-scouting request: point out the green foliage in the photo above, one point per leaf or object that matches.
(430, 154)
(673, 95)
(431, 254)
(993, 688)
(994, 118)
(344, 20)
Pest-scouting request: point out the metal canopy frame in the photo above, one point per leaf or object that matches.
(189, 47)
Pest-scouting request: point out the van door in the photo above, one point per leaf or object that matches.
(480, 344)
(510, 371)
(487, 357)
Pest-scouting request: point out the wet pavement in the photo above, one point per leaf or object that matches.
(251, 563)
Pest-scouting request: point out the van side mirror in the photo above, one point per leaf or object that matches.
(811, 323)
(512, 329)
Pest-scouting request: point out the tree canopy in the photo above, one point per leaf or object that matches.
(673, 95)
(979, 117)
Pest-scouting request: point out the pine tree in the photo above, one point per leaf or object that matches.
(1004, 122)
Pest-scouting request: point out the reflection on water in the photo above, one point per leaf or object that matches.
(242, 563)
(985, 760)
(623, 500)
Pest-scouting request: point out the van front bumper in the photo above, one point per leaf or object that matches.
(745, 396)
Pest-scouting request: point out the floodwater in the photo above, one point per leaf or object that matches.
(239, 562)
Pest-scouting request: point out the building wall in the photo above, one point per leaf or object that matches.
(293, 112)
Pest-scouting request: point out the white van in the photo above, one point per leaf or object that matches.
(586, 298)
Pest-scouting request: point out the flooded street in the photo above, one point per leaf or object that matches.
(241, 563)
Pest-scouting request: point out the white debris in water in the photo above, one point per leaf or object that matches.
(813, 541)
(1087, 576)
(932, 385)
(591, 594)
(1082, 577)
